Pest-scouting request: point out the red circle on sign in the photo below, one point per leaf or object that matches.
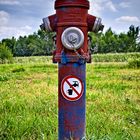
(77, 88)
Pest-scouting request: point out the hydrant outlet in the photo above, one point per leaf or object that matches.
(98, 25)
(47, 25)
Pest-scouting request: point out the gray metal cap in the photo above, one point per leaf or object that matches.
(72, 38)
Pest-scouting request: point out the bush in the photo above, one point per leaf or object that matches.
(134, 63)
(20, 69)
(5, 54)
(4, 77)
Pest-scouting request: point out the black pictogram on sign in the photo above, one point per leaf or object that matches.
(72, 88)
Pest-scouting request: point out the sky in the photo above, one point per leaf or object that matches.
(23, 17)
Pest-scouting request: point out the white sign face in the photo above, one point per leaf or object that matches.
(72, 88)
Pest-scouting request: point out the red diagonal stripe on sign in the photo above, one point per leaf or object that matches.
(72, 87)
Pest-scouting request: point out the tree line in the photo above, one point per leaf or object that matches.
(41, 43)
(110, 42)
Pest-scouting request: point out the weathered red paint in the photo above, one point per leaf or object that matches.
(71, 13)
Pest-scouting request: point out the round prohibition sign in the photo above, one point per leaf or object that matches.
(72, 88)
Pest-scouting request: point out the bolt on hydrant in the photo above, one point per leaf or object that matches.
(72, 24)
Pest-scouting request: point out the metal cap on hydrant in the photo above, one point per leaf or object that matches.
(72, 24)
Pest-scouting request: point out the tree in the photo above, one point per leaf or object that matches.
(41, 43)
(110, 42)
(20, 48)
(133, 35)
(47, 42)
(123, 44)
(10, 43)
(5, 54)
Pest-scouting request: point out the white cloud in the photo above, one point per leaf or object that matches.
(111, 6)
(14, 31)
(128, 19)
(9, 31)
(6, 30)
(97, 7)
(9, 2)
(125, 4)
(4, 17)
(26, 27)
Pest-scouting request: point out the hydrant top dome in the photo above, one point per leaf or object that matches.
(65, 3)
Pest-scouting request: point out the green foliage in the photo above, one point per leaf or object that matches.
(37, 44)
(110, 42)
(19, 69)
(29, 106)
(5, 54)
(133, 35)
(10, 43)
(134, 63)
(41, 43)
(4, 77)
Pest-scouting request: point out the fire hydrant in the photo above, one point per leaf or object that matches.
(71, 24)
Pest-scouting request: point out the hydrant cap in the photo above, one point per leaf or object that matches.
(47, 25)
(98, 25)
(66, 3)
(72, 38)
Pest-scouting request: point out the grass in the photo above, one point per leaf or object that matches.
(110, 57)
(115, 57)
(113, 100)
(28, 101)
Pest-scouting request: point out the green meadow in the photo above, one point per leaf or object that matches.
(29, 98)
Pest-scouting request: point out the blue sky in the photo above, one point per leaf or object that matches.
(23, 17)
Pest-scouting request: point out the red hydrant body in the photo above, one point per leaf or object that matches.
(72, 13)
(72, 24)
